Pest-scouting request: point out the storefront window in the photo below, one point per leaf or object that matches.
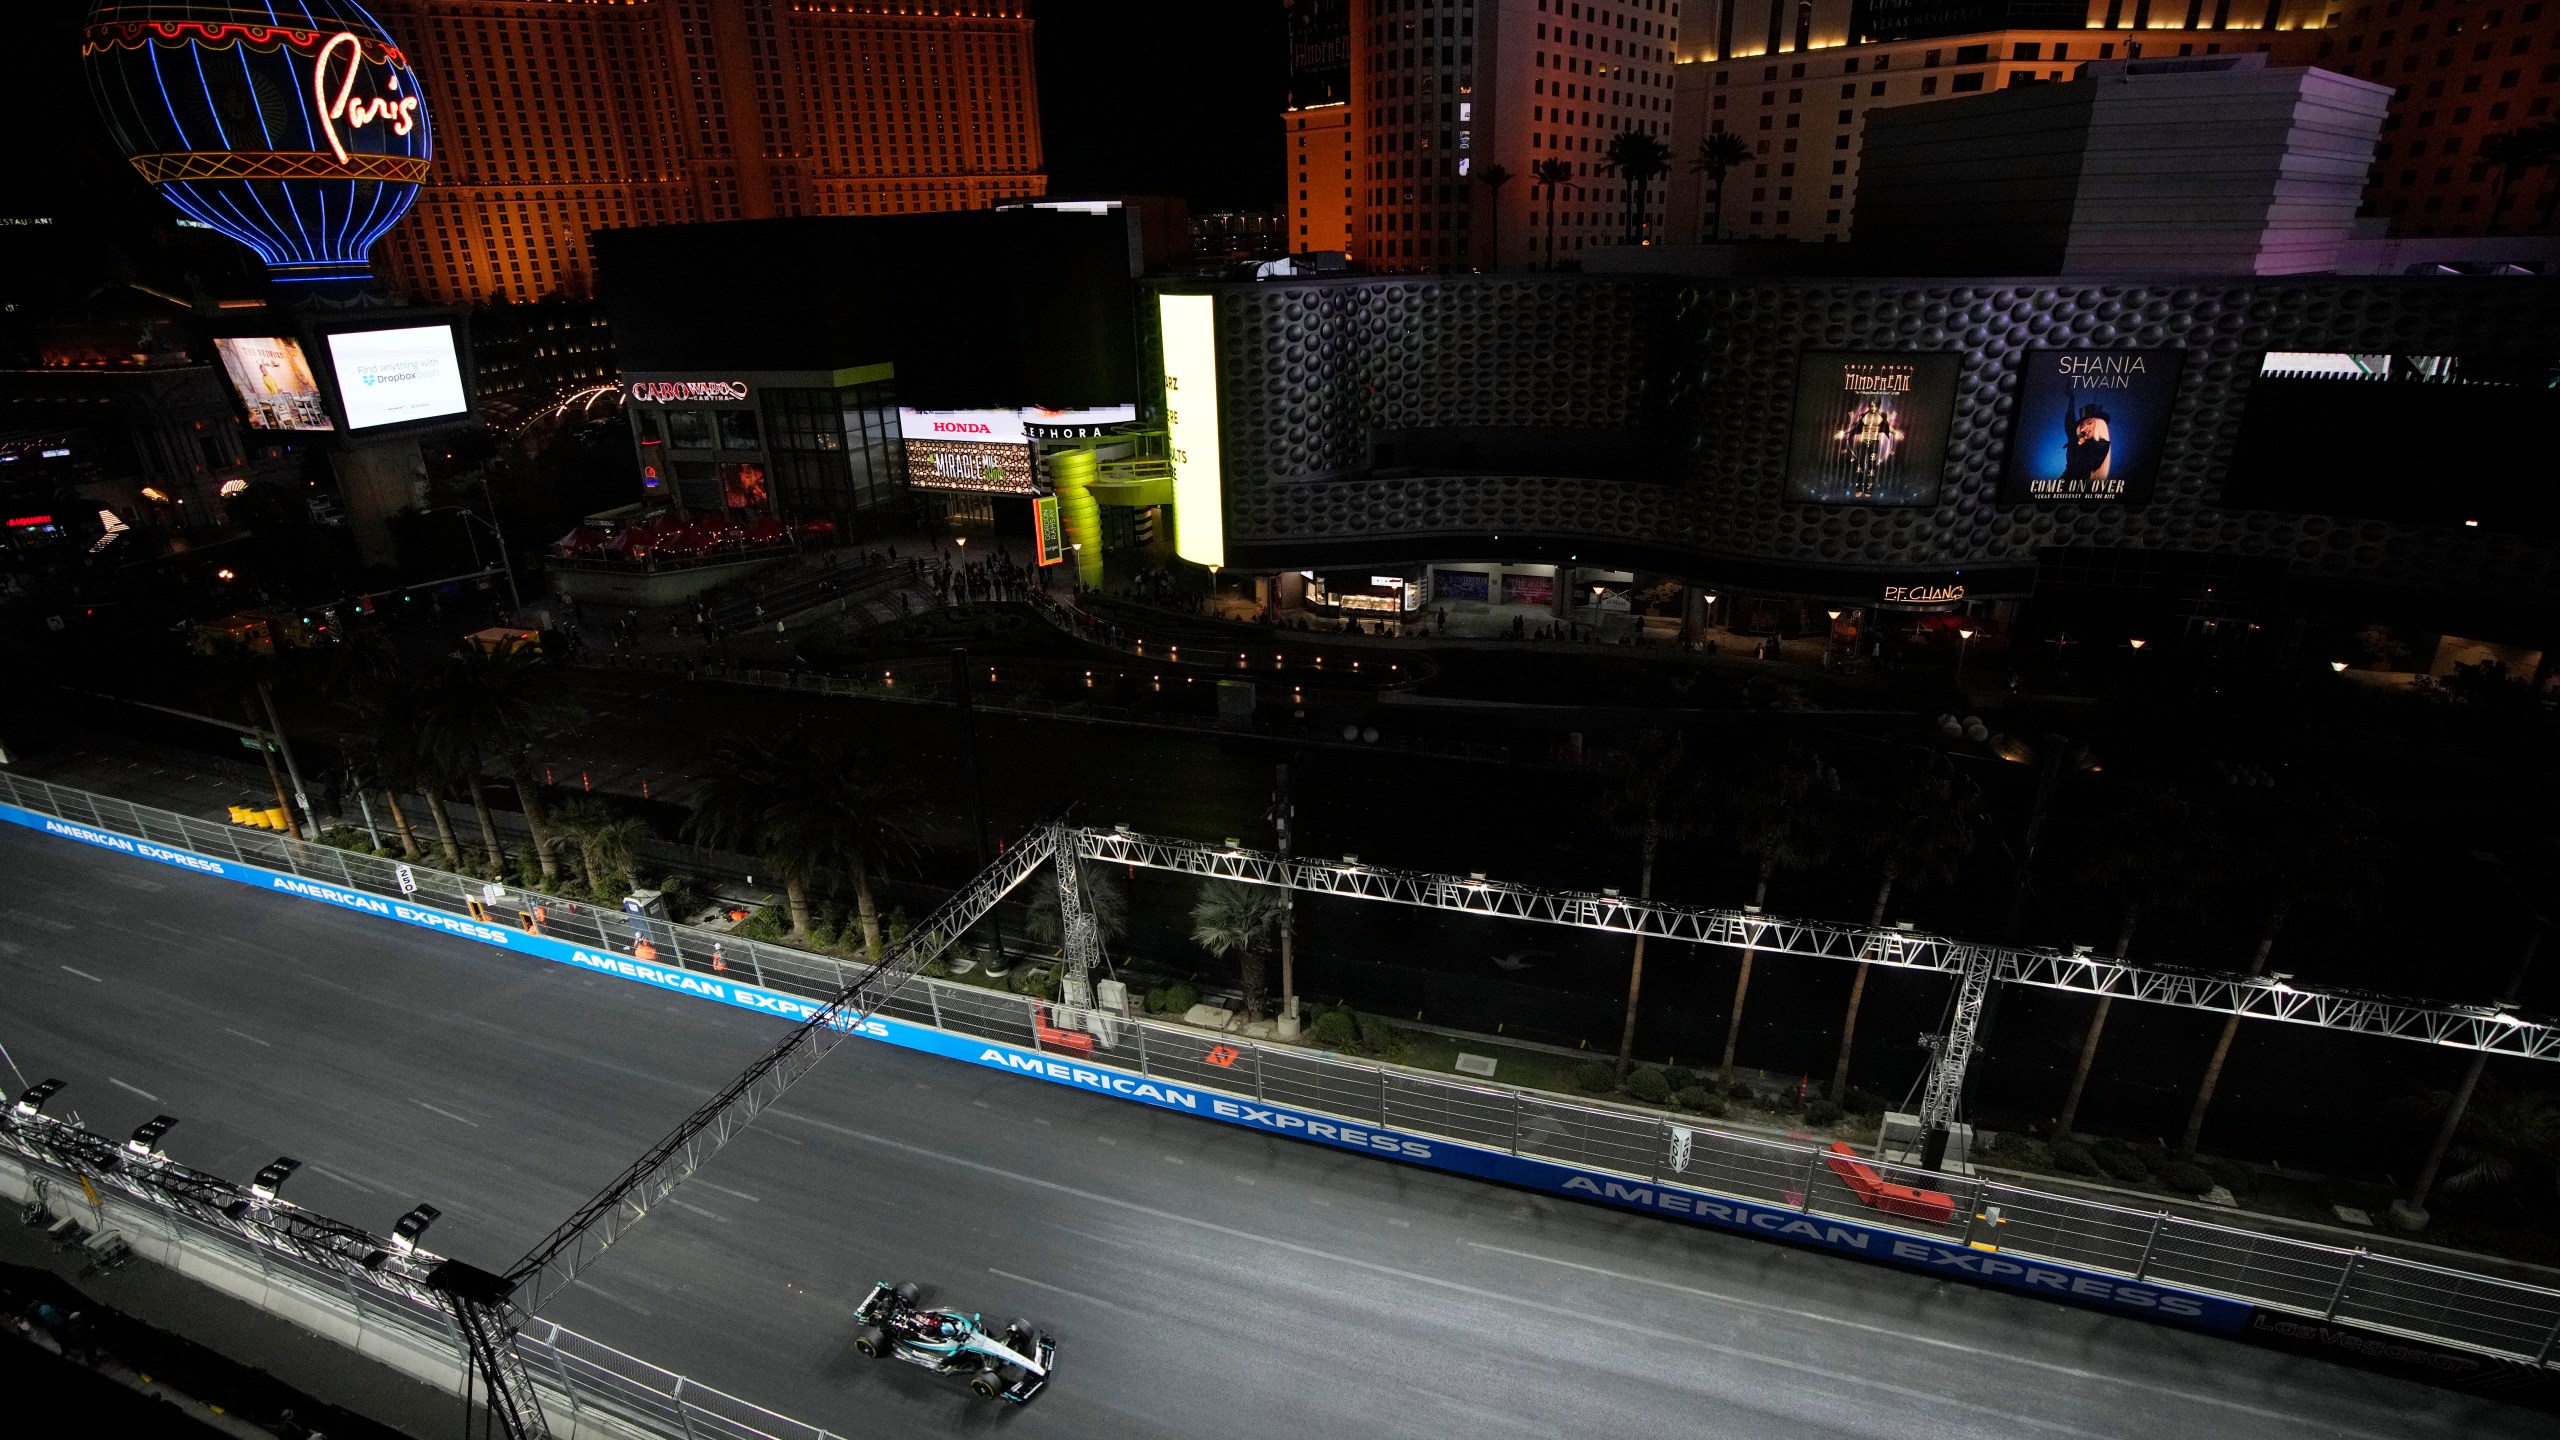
(685, 430)
(737, 429)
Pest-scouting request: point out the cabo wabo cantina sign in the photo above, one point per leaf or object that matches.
(676, 392)
(303, 136)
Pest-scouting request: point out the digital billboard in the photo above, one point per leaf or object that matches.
(2090, 425)
(1189, 325)
(2419, 438)
(397, 377)
(274, 381)
(1870, 427)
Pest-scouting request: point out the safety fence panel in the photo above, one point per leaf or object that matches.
(2086, 1233)
(1600, 1139)
(1199, 1057)
(1747, 1167)
(1320, 1083)
(990, 1014)
(1472, 1113)
(2294, 1273)
(2431, 1300)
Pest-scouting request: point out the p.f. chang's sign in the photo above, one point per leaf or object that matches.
(666, 391)
(1923, 594)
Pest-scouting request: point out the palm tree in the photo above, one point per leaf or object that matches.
(1656, 792)
(2307, 848)
(608, 841)
(1234, 918)
(808, 803)
(1493, 178)
(1639, 159)
(1553, 174)
(488, 704)
(2507, 1143)
(1783, 817)
(1717, 156)
(2151, 844)
(1918, 826)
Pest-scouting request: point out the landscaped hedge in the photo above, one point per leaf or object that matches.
(1700, 1099)
(1595, 1076)
(1649, 1085)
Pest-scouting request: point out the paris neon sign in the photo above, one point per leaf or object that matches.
(401, 114)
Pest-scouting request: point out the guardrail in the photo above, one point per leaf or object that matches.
(2483, 1314)
(588, 1379)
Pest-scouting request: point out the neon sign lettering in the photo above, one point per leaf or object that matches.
(401, 114)
(661, 391)
(1922, 594)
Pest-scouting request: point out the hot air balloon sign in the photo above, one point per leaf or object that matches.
(297, 129)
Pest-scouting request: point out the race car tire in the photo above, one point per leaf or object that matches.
(907, 1292)
(1019, 1327)
(987, 1384)
(1011, 1375)
(871, 1342)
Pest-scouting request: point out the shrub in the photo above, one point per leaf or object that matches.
(1700, 1099)
(1866, 1104)
(1039, 980)
(1595, 1076)
(2185, 1178)
(1338, 1030)
(1679, 1078)
(936, 969)
(2235, 1177)
(1742, 1092)
(2013, 1147)
(1649, 1085)
(1179, 998)
(2154, 1157)
(2120, 1162)
(1822, 1112)
(1379, 1038)
(2073, 1158)
(765, 924)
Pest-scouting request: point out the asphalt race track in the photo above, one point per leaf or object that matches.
(1202, 1280)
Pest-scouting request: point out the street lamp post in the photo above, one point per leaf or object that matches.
(1596, 592)
(1964, 646)
(505, 562)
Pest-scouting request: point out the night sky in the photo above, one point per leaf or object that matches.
(1178, 97)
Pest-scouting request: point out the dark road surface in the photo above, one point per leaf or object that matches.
(1202, 1281)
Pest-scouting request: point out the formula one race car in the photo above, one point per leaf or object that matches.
(1012, 1364)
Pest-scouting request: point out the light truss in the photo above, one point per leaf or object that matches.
(2456, 1026)
(621, 1204)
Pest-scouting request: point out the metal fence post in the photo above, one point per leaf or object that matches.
(677, 1395)
(1661, 1147)
(1257, 1080)
(343, 872)
(1515, 1122)
(1141, 1028)
(2150, 1242)
(1812, 1167)
(2550, 1338)
(933, 999)
(1382, 1095)
(2338, 1296)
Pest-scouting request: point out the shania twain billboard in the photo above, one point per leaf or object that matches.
(1871, 428)
(2090, 425)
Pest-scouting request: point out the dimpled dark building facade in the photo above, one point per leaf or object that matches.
(1352, 407)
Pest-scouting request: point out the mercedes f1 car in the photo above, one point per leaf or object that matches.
(1010, 1364)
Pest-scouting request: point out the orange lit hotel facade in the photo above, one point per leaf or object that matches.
(557, 118)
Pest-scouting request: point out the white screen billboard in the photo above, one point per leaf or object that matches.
(1191, 415)
(394, 377)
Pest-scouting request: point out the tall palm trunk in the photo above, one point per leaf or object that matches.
(1742, 983)
(443, 817)
(2097, 1029)
(1857, 994)
(795, 894)
(1250, 963)
(536, 822)
(868, 906)
(1635, 966)
(2222, 1043)
(587, 862)
(400, 824)
(488, 823)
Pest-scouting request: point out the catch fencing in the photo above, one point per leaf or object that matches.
(582, 1379)
(2495, 1316)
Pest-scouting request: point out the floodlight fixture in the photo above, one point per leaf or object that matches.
(146, 1136)
(33, 1100)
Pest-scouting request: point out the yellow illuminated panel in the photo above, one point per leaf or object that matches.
(1191, 415)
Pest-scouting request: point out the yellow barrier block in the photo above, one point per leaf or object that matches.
(275, 817)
